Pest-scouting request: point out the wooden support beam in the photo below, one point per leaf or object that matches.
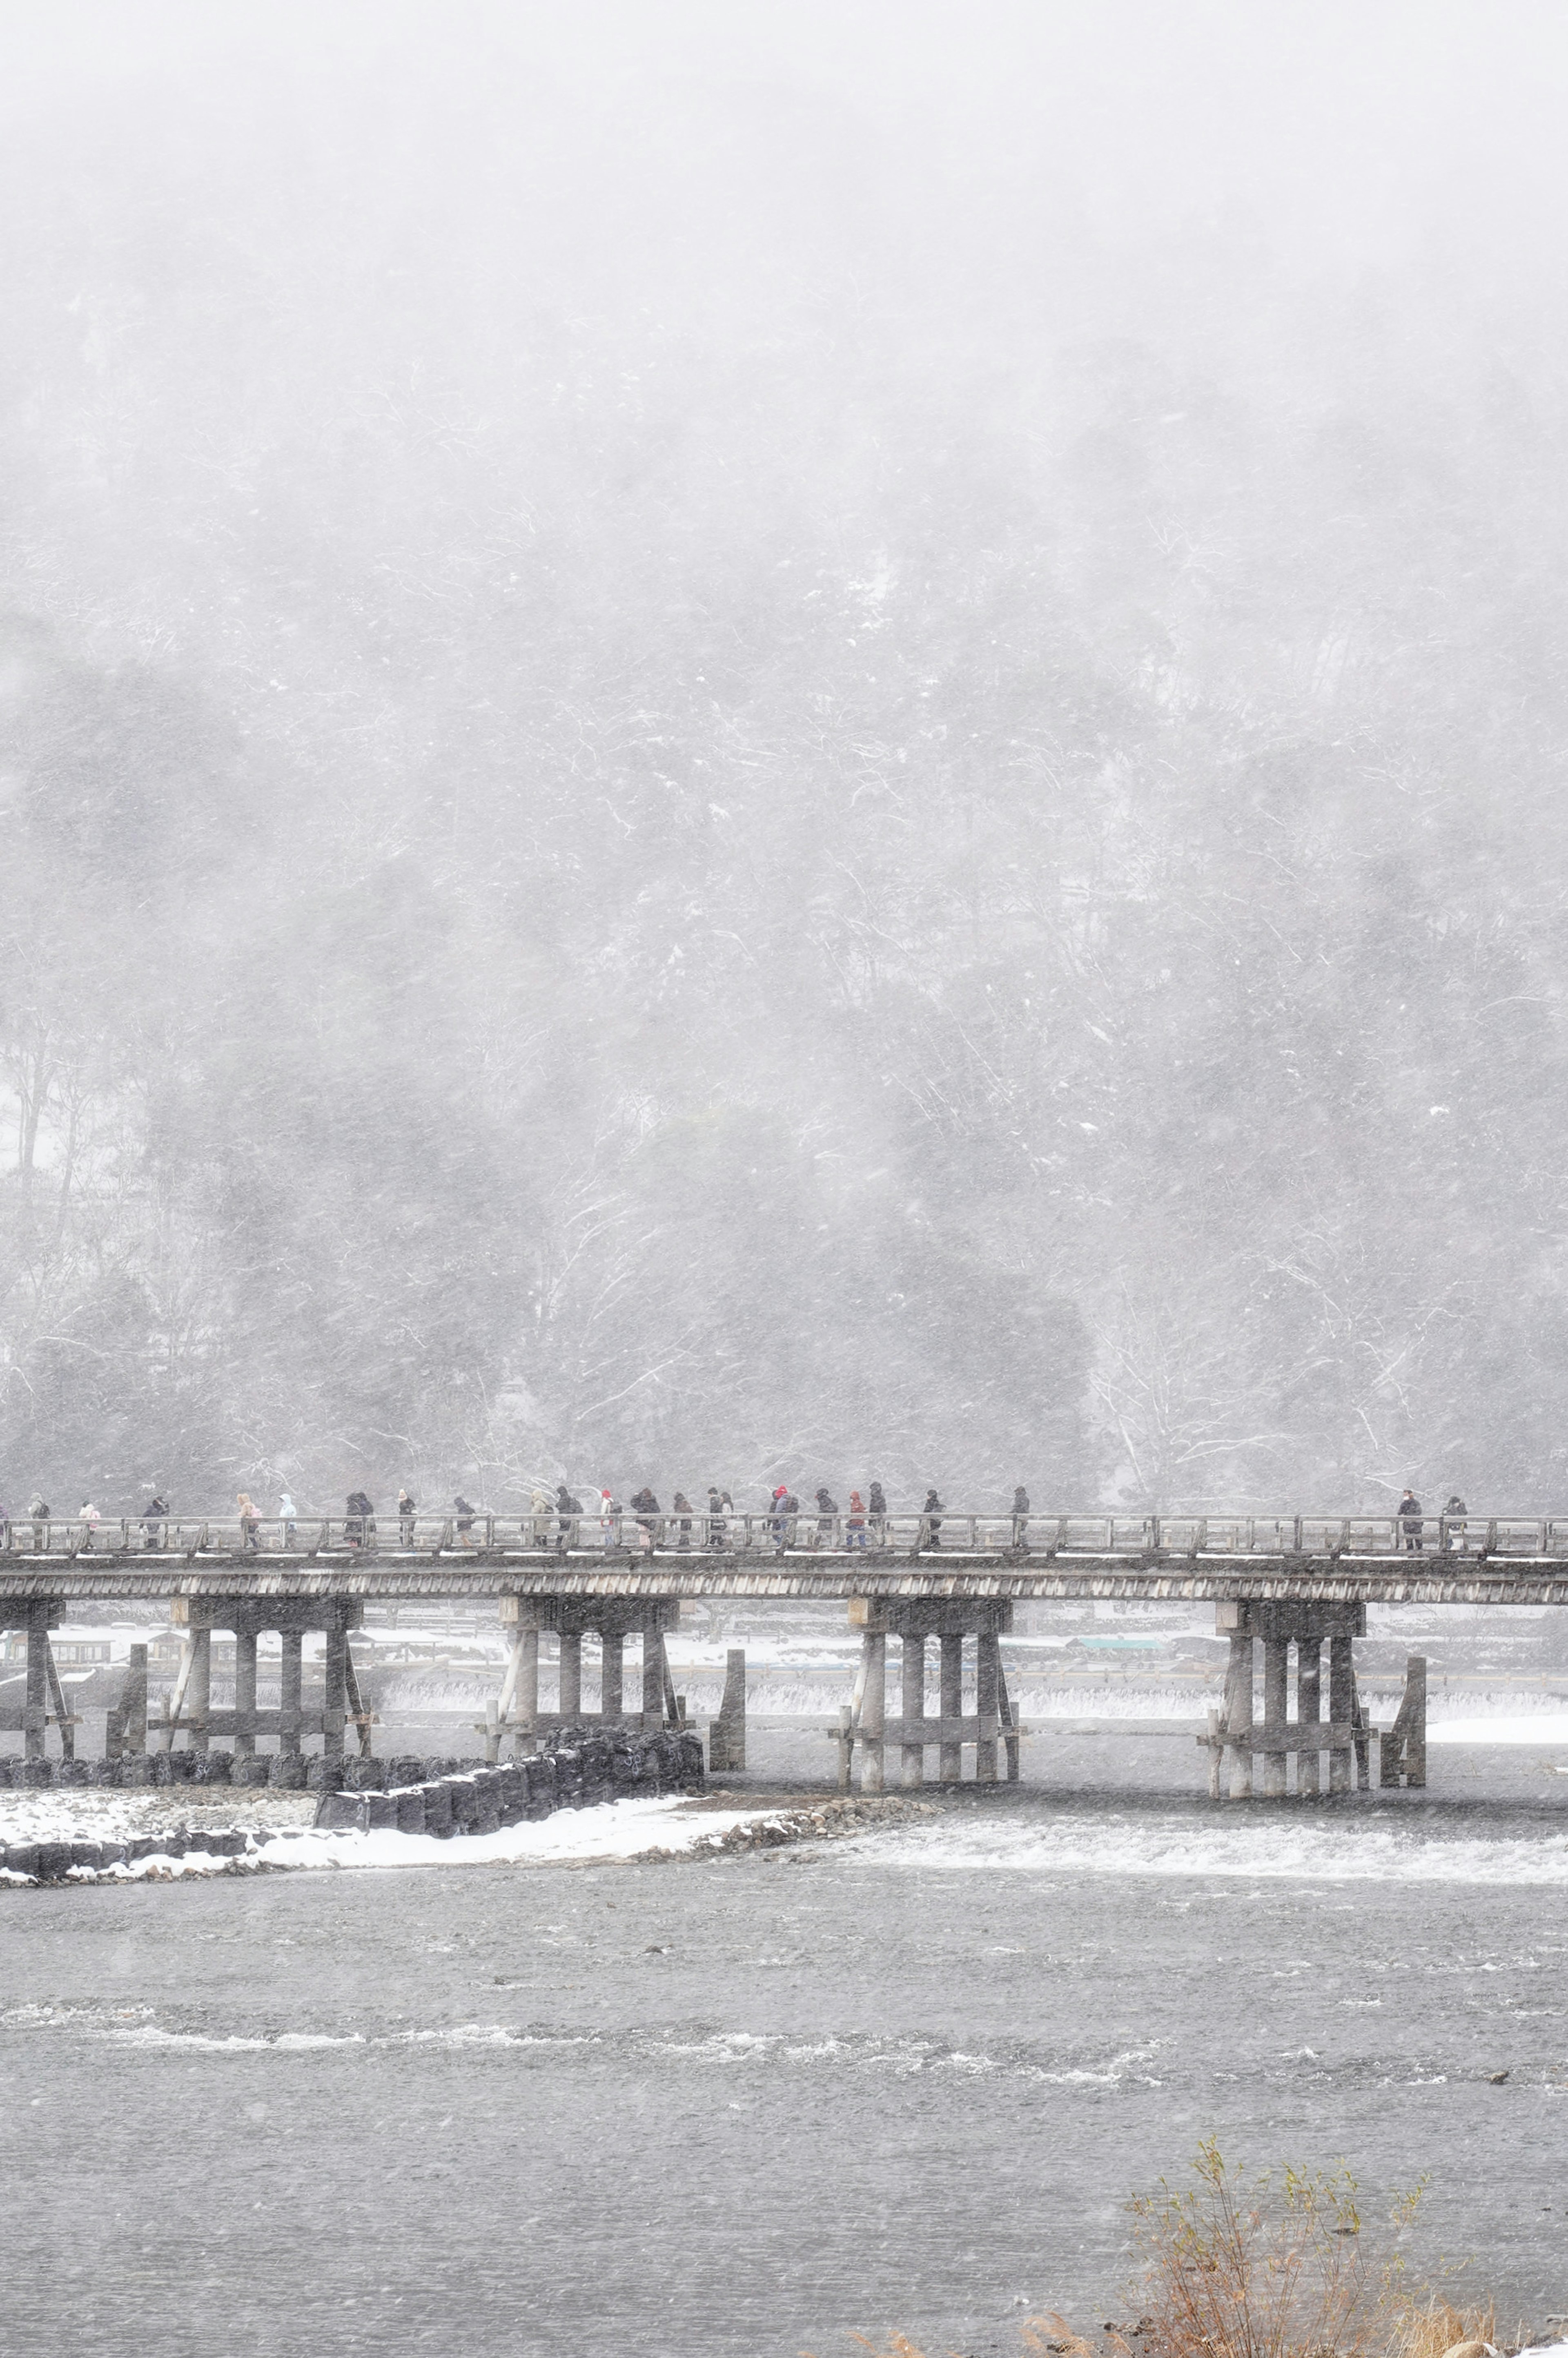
(913, 1767)
(1009, 1724)
(198, 1692)
(1238, 1713)
(246, 1692)
(874, 1710)
(726, 1733)
(63, 1719)
(950, 1764)
(611, 1672)
(1309, 1713)
(1341, 1708)
(569, 1682)
(334, 1697)
(1276, 1663)
(987, 1684)
(360, 1718)
(35, 1718)
(290, 1687)
(655, 1676)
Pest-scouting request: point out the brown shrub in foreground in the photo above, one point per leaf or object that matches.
(1263, 2266)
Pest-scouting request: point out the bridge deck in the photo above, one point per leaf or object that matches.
(1153, 1575)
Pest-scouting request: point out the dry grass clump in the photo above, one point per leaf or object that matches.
(1262, 2264)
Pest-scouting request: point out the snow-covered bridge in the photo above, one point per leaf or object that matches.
(1286, 1585)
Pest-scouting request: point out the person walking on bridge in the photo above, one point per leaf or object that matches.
(931, 1522)
(877, 1515)
(405, 1514)
(855, 1523)
(154, 1514)
(286, 1518)
(827, 1519)
(684, 1508)
(568, 1509)
(1454, 1519)
(1021, 1519)
(250, 1523)
(39, 1512)
(1411, 1524)
(646, 1507)
(464, 1513)
(718, 1529)
(90, 1518)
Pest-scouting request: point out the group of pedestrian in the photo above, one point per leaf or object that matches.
(1412, 1524)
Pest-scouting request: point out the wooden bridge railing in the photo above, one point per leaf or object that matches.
(766, 1533)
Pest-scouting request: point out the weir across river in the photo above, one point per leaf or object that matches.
(1284, 1587)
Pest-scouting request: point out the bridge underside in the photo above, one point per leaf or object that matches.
(999, 1578)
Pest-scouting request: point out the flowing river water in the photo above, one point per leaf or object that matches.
(750, 2103)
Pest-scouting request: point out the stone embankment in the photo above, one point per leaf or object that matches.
(444, 1798)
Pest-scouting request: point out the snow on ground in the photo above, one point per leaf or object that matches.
(669, 1825)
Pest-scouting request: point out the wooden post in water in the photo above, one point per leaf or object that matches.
(950, 1764)
(1276, 1663)
(874, 1711)
(653, 1677)
(133, 1701)
(1309, 1711)
(335, 1698)
(1341, 1709)
(611, 1672)
(1413, 1708)
(290, 1691)
(525, 1706)
(988, 1668)
(245, 1691)
(914, 1769)
(1238, 1712)
(726, 1733)
(569, 1699)
(199, 1689)
(62, 1718)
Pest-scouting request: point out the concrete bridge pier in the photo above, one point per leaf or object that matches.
(610, 1619)
(991, 1728)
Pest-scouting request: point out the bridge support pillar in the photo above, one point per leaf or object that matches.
(1309, 1712)
(291, 1692)
(915, 1621)
(43, 1614)
(245, 1693)
(612, 1619)
(190, 1706)
(1278, 1624)
(950, 1758)
(913, 1763)
(198, 1689)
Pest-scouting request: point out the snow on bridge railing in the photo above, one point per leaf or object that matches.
(772, 1532)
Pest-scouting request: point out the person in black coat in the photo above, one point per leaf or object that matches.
(1021, 1519)
(568, 1509)
(646, 1507)
(827, 1517)
(1409, 1523)
(931, 1522)
(877, 1514)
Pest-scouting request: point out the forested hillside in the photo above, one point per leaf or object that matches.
(846, 797)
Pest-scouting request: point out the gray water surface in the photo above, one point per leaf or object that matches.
(744, 2105)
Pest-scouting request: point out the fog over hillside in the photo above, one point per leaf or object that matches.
(785, 743)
